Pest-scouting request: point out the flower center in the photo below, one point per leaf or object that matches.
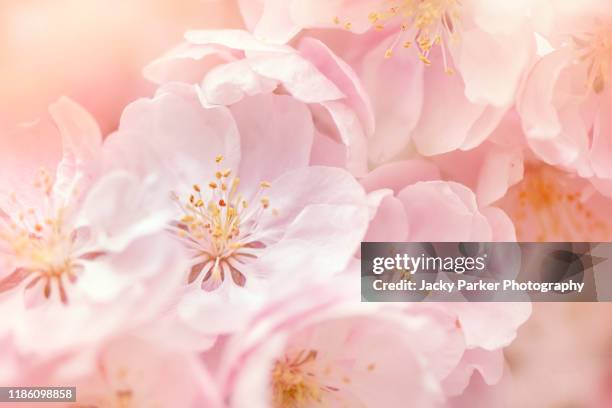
(294, 382)
(221, 227)
(595, 50)
(546, 206)
(420, 24)
(39, 246)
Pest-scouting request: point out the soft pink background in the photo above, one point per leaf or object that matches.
(90, 50)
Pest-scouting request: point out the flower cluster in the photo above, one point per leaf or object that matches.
(205, 254)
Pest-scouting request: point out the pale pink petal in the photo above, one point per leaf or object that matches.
(483, 59)
(476, 323)
(122, 207)
(484, 126)
(26, 150)
(351, 134)
(173, 131)
(317, 185)
(186, 63)
(601, 150)
(389, 224)
(343, 76)
(333, 232)
(501, 225)
(536, 104)
(397, 175)
(323, 13)
(276, 135)
(440, 211)
(81, 143)
(229, 83)
(432, 135)
(275, 24)
(251, 11)
(489, 364)
(298, 75)
(395, 86)
(503, 17)
(327, 152)
(234, 39)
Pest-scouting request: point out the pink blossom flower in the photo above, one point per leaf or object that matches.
(553, 205)
(126, 372)
(415, 206)
(492, 168)
(476, 42)
(544, 203)
(231, 65)
(249, 209)
(319, 347)
(566, 101)
(75, 245)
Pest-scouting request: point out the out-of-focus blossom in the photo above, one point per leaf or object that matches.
(553, 205)
(566, 103)
(318, 347)
(574, 331)
(231, 65)
(494, 166)
(248, 207)
(126, 372)
(76, 246)
(416, 58)
(415, 206)
(543, 202)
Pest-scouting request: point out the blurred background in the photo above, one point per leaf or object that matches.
(90, 50)
(94, 50)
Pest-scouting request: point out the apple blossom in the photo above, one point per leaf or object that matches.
(415, 58)
(248, 207)
(72, 239)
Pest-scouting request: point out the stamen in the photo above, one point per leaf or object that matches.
(221, 228)
(42, 245)
(427, 23)
(595, 50)
(545, 206)
(293, 384)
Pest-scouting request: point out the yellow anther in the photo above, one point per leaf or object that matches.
(265, 184)
(196, 188)
(424, 59)
(219, 159)
(389, 53)
(187, 219)
(212, 185)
